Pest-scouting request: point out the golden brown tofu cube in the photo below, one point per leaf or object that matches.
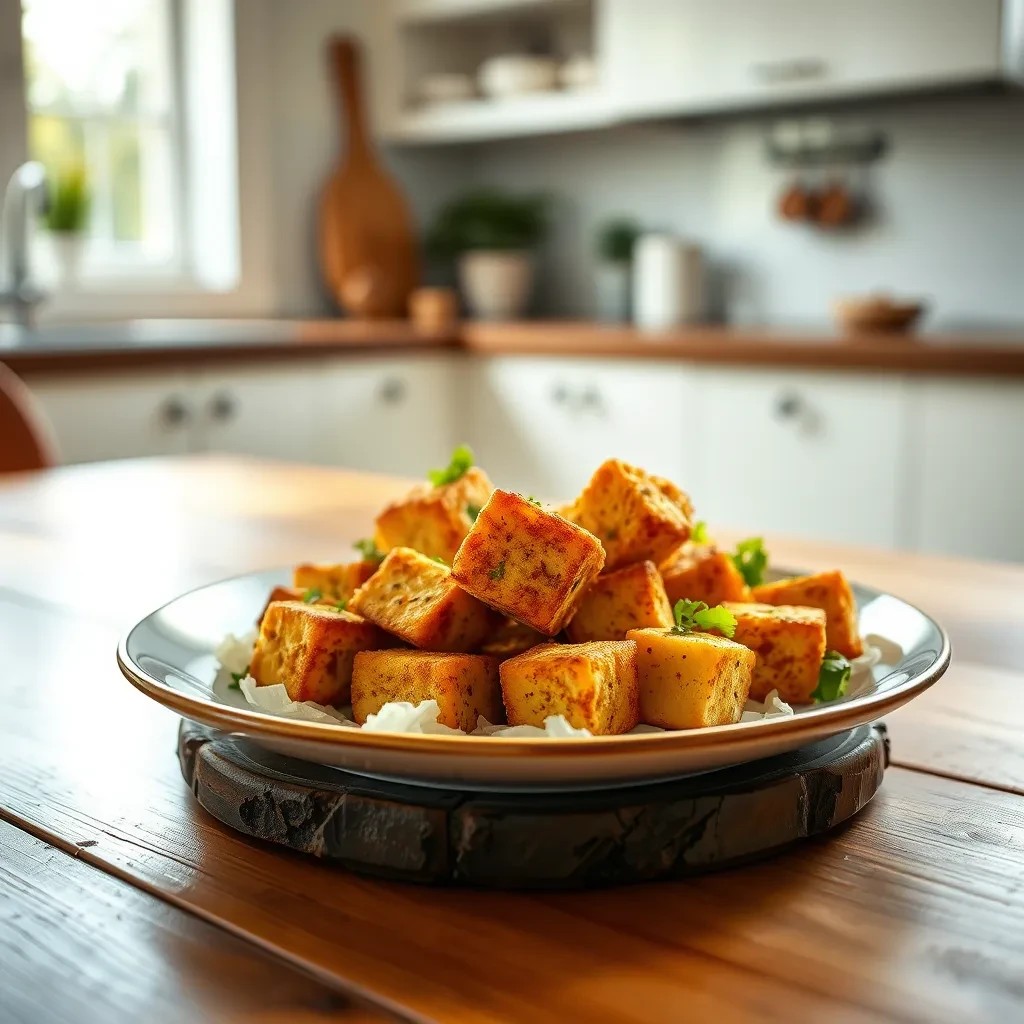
(691, 680)
(789, 643)
(636, 516)
(594, 685)
(829, 591)
(526, 562)
(310, 648)
(333, 582)
(511, 638)
(465, 686)
(416, 598)
(700, 572)
(280, 594)
(434, 520)
(616, 602)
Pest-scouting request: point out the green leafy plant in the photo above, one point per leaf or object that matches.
(461, 462)
(488, 219)
(751, 559)
(833, 678)
(694, 615)
(368, 549)
(68, 209)
(615, 240)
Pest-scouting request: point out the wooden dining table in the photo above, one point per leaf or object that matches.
(121, 899)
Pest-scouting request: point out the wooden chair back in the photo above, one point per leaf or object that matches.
(25, 435)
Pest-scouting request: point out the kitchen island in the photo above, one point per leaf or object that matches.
(912, 912)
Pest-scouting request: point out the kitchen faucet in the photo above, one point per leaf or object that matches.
(25, 194)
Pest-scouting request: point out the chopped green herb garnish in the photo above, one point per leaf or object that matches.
(341, 606)
(473, 511)
(533, 501)
(833, 678)
(462, 460)
(439, 560)
(498, 572)
(312, 595)
(368, 549)
(751, 559)
(692, 615)
(699, 533)
(237, 677)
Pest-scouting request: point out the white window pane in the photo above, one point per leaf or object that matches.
(110, 55)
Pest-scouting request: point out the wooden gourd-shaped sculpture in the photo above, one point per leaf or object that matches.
(368, 256)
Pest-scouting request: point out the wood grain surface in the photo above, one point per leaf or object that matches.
(79, 947)
(188, 342)
(913, 912)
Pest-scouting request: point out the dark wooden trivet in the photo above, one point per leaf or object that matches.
(524, 840)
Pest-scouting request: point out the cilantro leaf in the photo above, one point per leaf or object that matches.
(237, 677)
(473, 511)
(692, 615)
(341, 606)
(498, 572)
(462, 460)
(368, 549)
(833, 678)
(751, 559)
(312, 595)
(699, 533)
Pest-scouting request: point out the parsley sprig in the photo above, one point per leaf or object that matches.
(237, 677)
(751, 559)
(368, 549)
(699, 533)
(694, 615)
(833, 678)
(312, 595)
(461, 461)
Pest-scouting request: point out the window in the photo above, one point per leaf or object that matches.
(102, 90)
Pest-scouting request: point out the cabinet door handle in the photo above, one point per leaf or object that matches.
(559, 394)
(778, 72)
(175, 412)
(788, 407)
(591, 401)
(222, 406)
(392, 390)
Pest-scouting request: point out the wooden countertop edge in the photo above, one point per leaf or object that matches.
(943, 355)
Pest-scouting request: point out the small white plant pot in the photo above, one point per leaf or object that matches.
(496, 284)
(68, 247)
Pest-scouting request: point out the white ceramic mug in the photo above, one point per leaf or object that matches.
(668, 282)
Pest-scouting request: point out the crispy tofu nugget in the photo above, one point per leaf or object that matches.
(789, 643)
(280, 593)
(700, 572)
(434, 520)
(416, 598)
(691, 680)
(616, 602)
(829, 591)
(465, 686)
(528, 563)
(310, 648)
(594, 685)
(334, 583)
(636, 516)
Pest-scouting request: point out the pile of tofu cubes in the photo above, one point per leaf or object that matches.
(496, 607)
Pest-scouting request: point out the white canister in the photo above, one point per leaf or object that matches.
(668, 282)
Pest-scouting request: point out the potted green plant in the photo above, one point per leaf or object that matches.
(66, 218)
(615, 241)
(491, 236)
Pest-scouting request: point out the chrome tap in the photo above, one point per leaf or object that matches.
(25, 195)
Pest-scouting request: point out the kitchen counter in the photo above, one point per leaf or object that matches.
(911, 912)
(135, 343)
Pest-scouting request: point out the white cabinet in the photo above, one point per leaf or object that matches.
(386, 415)
(680, 55)
(807, 454)
(542, 425)
(267, 410)
(968, 470)
(117, 416)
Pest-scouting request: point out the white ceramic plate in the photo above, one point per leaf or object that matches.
(169, 657)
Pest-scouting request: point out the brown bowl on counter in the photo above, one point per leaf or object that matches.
(876, 314)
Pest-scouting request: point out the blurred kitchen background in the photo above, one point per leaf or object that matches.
(773, 249)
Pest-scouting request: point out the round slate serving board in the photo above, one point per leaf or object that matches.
(534, 840)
